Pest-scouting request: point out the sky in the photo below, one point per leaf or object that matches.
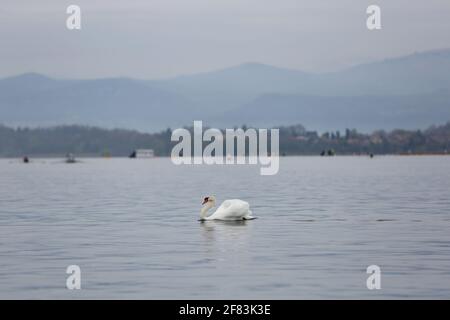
(153, 39)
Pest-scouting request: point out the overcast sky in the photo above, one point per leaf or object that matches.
(162, 38)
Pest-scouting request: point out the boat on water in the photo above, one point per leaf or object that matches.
(70, 158)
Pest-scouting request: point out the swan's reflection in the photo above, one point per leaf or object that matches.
(210, 223)
(225, 236)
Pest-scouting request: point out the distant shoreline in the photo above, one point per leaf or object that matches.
(85, 141)
(84, 156)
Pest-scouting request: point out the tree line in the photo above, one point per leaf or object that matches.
(294, 140)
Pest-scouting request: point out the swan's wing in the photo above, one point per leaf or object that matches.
(234, 209)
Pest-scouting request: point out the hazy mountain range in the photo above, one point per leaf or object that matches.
(407, 92)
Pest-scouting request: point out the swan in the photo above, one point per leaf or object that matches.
(233, 209)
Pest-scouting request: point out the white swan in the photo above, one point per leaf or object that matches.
(233, 209)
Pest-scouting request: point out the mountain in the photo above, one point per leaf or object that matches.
(412, 74)
(254, 78)
(365, 112)
(37, 100)
(409, 91)
(234, 86)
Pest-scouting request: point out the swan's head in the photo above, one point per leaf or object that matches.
(208, 203)
(211, 200)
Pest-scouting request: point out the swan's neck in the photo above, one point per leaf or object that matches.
(204, 211)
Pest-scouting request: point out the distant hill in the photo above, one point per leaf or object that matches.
(234, 86)
(32, 99)
(412, 74)
(417, 73)
(365, 112)
(410, 91)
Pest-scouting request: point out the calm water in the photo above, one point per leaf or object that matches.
(131, 225)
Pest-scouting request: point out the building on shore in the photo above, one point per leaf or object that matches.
(142, 153)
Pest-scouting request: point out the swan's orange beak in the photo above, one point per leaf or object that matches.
(205, 200)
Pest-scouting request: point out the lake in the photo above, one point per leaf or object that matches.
(132, 227)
